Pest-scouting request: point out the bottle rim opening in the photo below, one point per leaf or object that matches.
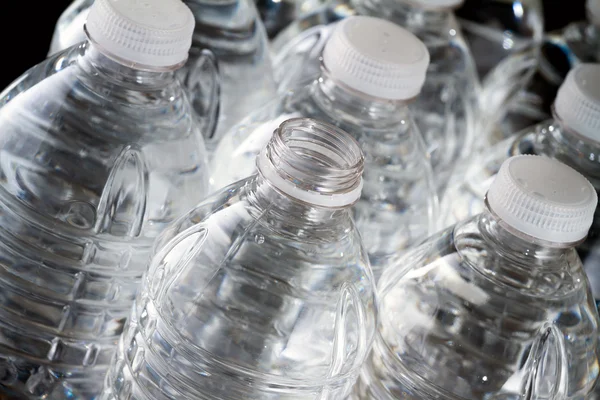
(313, 162)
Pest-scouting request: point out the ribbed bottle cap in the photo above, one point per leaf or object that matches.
(153, 33)
(436, 4)
(593, 11)
(376, 57)
(543, 198)
(577, 103)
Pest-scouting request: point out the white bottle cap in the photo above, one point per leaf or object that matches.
(543, 198)
(577, 102)
(153, 33)
(593, 11)
(376, 57)
(436, 4)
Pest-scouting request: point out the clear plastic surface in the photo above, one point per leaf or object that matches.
(399, 205)
(235, 36)
(464, 197)
(481, 311)
(445, 110)
(97, 158)
(255, 294)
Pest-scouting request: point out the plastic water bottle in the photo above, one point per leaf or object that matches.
(264, 290)
(371, 69)
(237, 42)
(572, 137)
(100, 151)
(445, 110)
(496, 29)
(519, 92)
(498, 306)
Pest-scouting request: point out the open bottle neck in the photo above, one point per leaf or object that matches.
(309, 176)
(286, 213)
(312, 168)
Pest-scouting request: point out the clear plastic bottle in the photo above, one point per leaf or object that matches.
(573, 137)
(264, 290)
(100, 151)
(520, 90)
(371, 69)
(498, 306)
(232, 32)
(446, 108)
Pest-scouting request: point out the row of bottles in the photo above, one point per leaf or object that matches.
(348, 211)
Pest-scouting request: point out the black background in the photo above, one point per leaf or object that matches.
(26, 29)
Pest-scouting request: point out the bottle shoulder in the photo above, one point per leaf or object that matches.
(252, 205)
(377, 133)
(460, 294)
(73, 135)
(236, 258)
(133, 108)
(485, 265)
